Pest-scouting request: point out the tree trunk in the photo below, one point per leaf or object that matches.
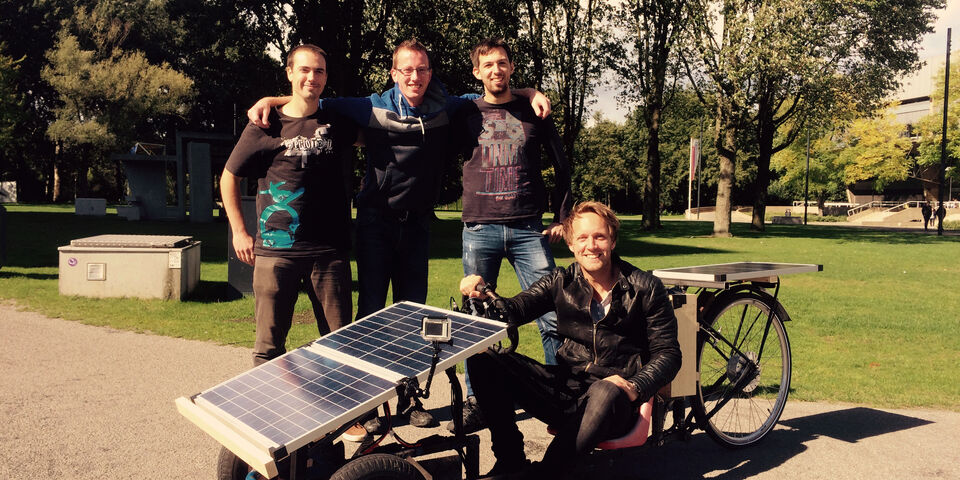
(55, 189)
(766, 130)
(57, 180)
(651, 188)
(726, 139)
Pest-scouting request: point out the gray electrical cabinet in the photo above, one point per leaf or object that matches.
(139, 266)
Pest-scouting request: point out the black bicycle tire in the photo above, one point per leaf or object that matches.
(377, 466)
(711, 427)
(230, 466)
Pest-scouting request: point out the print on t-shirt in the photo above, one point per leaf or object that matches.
(303, 147)
(501, 142)
(281, 198)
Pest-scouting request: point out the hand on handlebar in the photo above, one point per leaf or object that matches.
(473, 286)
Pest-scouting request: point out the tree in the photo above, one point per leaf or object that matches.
(605, 171)
(874, 148)
(826, 179)
(651, 29)
(572, 34)
(106, 92)
(777, 63)
(727, 57)
(929, 129)
(11, 102)
(826, 54)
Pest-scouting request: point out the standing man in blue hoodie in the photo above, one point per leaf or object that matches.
(406, 132)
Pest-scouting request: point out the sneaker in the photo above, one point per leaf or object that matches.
(472, 419)
(421, 418)
(356, 433)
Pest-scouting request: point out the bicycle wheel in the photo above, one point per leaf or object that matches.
(744, 364)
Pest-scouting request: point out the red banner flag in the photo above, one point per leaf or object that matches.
(694, 155)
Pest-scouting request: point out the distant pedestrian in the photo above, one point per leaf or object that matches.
(941, 212)
(926, 211)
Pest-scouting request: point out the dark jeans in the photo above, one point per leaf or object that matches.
(276, 285)
(393, 249)
(584, 410)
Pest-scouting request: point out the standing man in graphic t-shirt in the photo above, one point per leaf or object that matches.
(303, 208)
(504, 196)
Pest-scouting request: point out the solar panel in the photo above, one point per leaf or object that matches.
(392, 340)
(297, 398)
(729, 272)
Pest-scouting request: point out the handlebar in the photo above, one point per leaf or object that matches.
(494, 309)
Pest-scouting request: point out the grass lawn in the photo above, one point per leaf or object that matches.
(876, 326)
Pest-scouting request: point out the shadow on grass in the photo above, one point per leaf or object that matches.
(31, 276)
(214, 292)
(702, 457)
(682, 228)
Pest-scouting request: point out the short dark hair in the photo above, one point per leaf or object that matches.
(306, 46)
(601, 210)
(411, 44)
(485, 46)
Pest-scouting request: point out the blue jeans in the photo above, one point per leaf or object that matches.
(393, 248)
(485, 245)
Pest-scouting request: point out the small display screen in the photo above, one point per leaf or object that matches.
(435, 329)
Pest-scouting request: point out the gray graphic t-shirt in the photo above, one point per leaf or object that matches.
(502, 178)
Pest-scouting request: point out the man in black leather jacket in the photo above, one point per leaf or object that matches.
(619, 348)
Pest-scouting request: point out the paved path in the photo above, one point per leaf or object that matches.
(82, 402)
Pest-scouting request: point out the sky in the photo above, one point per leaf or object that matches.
(933, 44)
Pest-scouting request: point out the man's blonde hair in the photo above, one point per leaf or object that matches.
(597, 208)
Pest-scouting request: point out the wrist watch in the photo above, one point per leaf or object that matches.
(636, 386)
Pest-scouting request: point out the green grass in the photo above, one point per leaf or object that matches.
(878, 326)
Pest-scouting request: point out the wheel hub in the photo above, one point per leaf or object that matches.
(737, 367)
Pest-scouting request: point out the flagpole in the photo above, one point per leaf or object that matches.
(690, 183)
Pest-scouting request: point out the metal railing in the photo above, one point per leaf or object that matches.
(866, 206)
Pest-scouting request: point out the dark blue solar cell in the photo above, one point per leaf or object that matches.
(317, 413)
(275, 434)
(253, 421)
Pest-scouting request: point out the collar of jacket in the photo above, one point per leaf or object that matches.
(434, 101)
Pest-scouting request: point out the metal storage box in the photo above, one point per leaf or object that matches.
(141, 266)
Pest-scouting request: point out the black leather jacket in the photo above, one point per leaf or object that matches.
(637, 339)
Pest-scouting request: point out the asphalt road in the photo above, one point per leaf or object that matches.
(82, 402)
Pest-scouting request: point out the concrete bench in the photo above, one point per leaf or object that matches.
(787, 220)
(91, 206)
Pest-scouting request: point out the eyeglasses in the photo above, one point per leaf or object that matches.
(409, 71)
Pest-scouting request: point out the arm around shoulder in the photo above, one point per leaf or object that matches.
(259, 113)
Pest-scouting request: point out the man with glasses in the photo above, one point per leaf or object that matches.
(406, 132)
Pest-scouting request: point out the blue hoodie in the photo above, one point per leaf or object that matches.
(406, 147)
